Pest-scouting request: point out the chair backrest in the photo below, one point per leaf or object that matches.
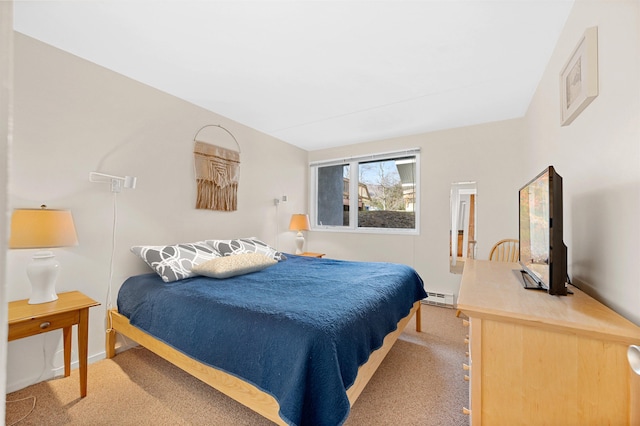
(506, 250)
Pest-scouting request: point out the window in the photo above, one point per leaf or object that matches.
(374, 193)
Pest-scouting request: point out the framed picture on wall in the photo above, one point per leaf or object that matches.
(579, 77)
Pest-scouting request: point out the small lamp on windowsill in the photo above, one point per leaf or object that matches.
(40, 229)
(299, 223)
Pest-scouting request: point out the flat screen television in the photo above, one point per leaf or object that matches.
(543, 254)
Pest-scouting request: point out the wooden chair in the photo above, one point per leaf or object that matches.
(506, 250)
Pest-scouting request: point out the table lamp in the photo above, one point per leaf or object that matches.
(39, 229)
(299, 223)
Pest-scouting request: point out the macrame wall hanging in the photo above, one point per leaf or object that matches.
(217, 174)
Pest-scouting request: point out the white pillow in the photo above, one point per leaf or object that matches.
(175, 262)
(230, 266)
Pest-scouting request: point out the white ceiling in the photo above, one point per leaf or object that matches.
(319, 74)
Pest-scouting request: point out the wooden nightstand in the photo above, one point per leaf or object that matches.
(311, 254)
(71, 308)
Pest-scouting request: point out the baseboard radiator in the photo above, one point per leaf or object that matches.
(439, 299)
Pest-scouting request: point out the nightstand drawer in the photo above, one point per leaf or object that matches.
(42, 325)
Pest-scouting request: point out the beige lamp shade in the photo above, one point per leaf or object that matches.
(299, 222)
(42, 228)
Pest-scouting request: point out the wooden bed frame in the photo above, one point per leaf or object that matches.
(243, 392)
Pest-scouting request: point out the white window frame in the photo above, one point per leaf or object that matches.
(353, 189)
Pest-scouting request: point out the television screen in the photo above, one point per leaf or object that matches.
(534, 227)
(543, 254)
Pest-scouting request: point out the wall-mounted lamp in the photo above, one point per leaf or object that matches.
(117, 182)
(276, 201)
(38, 229)
(299, 223)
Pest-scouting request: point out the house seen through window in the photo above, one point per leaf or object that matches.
(376, 193)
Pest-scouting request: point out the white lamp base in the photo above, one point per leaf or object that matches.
(299, 242)
(42, 272)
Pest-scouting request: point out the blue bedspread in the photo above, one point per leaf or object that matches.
(298, 330)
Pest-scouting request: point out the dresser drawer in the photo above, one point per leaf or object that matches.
(35, 326)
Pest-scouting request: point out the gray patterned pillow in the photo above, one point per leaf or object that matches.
(230, 266)
(175, 262)
(245, 245)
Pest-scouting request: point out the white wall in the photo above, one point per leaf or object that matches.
(73, 117)
(489, 154)
(598, 154)
(6, 95)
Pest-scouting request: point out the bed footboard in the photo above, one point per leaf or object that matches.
(243, 392)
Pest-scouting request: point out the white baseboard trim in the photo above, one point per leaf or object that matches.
(59, 371)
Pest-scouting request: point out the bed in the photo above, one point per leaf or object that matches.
(296, 342)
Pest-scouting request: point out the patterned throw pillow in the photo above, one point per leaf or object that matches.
(175, 262)
(245, 245)
(230, 266)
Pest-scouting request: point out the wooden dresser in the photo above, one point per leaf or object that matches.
(541, 359)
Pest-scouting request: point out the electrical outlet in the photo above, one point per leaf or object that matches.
(276, 201)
